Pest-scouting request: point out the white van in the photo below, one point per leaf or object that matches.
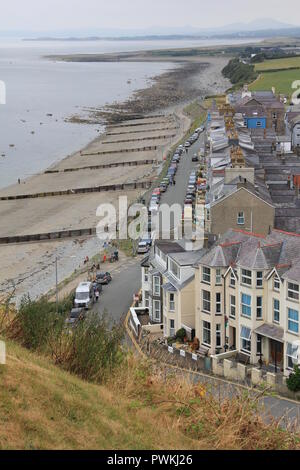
(84, 296)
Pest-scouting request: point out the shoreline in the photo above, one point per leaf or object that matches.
(30, 266)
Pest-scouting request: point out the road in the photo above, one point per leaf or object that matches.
(117, 297)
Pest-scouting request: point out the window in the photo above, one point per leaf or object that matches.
(246, 305)
(276, 311)
(172, 302)
(259, 279)
(146, 277)
(274, 115)
(218, 276)
(156, 285)
(206, 301)
(172, 328)
(174, 269)
(206, 275)
(232, 279)
(147, 299)
(232, 306)
(218, 303)
(291, 355)
(258, 124)
(218, 336)
(276, 283)
(246, 277)
(293, 291)
(156, 310)
(293, 320)
(241, 218)
(245, 339)
(206, 333)
(259, 308)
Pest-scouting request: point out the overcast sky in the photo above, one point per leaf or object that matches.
(43, 15)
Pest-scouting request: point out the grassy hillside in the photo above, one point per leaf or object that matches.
(281, 80)
(44, 407)
(287, 63)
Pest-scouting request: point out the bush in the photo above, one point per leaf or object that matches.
(93, 349)
(293, 381)
(181, 334)
(36, 323)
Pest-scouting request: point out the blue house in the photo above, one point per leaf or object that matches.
(255, 122)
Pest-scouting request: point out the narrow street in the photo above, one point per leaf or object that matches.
(117, 297)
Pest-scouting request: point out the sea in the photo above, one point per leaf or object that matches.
(41, 94)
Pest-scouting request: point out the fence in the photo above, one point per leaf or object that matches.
(177, 357)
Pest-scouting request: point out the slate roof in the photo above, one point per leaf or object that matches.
(188, 258)
(169, 247)
(280, 250)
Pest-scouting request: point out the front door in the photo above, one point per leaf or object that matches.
(276, 353)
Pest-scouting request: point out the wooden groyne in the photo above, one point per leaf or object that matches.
(135, 124)
(142, 131)
(126, 141)
(108, 165)
(111, 152)
(93, 189)
(49, 236)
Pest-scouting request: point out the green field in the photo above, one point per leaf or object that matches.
(290, 62)
(282, 81)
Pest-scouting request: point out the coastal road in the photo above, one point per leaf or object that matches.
(176, 194)
(117, 297)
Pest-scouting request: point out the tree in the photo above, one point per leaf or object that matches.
(293, 381)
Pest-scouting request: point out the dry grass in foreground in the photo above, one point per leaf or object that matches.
(44, 407)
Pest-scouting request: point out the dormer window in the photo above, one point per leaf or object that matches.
(259, 279)
(276, 283)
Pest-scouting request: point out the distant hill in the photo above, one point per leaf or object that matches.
(261, 26)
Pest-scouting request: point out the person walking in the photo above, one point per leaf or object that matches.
(97, 294)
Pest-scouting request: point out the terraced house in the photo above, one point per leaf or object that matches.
(247, 297)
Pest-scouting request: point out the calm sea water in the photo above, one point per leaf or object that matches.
(30, 141)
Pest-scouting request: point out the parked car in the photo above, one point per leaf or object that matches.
(188, 201)
(187, 144)
(143, 247)
(163, 187)
(104, 278)
(84, 295)
(76, 315)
